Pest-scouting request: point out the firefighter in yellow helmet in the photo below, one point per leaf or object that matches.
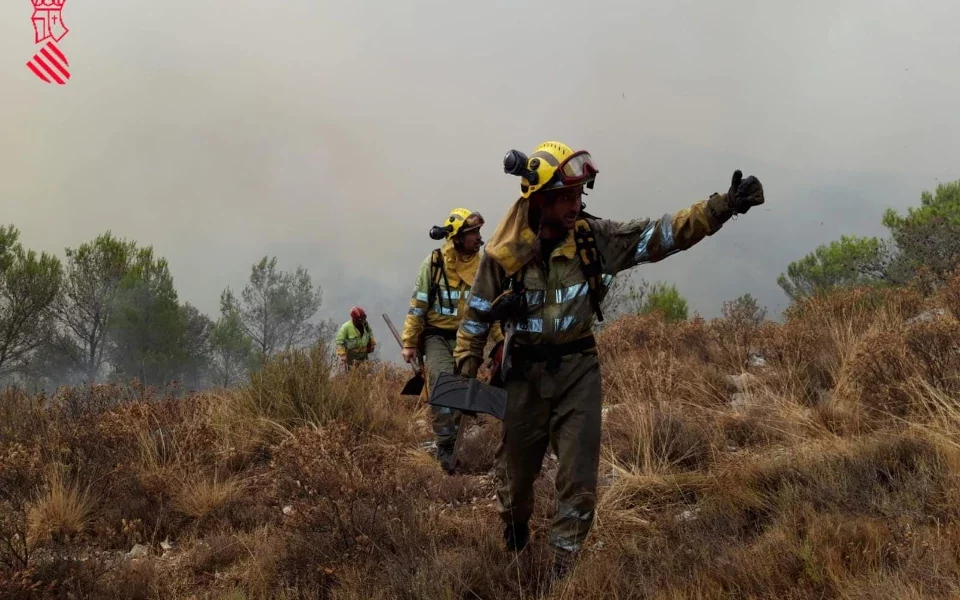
(544, 275)
(436, 308)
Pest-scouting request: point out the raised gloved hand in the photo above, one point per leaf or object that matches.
(744, 194)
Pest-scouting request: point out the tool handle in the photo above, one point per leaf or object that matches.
(393, 330)
(396, 336)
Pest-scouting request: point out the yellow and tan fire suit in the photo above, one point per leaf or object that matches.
(554, 385)
(433, 329)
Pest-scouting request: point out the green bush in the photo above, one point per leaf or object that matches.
(665, 299)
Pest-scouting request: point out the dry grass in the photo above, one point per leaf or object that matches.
(62, 510)
(200, 495)
(831, 469)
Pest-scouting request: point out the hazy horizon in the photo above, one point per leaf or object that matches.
(333, 135)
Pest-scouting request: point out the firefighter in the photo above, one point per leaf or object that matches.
(436, 308)
(355, 341)
(546, 270)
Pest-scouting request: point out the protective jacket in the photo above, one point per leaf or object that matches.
(451, 278)
(354, 344)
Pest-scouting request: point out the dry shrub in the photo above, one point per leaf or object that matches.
(199, 495)
(756, 425)
(693, 339)
(62, 511)
(368, 523)
(646, 376)
(886, 362)
(214, 553)
(631, 333)
(734, 340)
(297, 387)
(21, 474)
(838, 415)
(879, 369)
(880, 476)
(821, 334)
(656, 438)
(951, 295)
(800, 352)
(21, 416)
(935, 346)
(806, 522)
(134, 580)
(857, 307)
(260, 570)
(479, 445)
(72, 573)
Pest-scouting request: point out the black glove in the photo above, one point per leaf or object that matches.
(508, 305)
(744, 194)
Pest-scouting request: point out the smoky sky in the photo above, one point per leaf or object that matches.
(334, 134)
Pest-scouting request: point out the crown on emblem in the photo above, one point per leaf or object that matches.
(47, 4)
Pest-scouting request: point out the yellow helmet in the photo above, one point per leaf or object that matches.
(460, 220)
(553, 165)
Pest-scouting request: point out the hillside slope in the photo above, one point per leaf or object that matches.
(817, 458)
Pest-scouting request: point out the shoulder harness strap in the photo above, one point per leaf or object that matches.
(514, 283)
(436, 272)
(592, 264)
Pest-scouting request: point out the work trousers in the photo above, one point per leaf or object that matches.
(439, 359)
(563, 410)
(352, 361)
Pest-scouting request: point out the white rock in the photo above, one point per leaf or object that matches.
(928, 316)
(742, 381)
(826, 397)
(288, 510)
(739, 401)
(757, 361)
(688, 515)
(138, 551)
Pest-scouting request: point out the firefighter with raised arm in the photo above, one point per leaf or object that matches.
(436, 309)
(544, 275)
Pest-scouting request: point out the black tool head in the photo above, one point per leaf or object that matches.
(468, 395)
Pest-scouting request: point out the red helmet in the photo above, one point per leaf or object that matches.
(357, 313)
